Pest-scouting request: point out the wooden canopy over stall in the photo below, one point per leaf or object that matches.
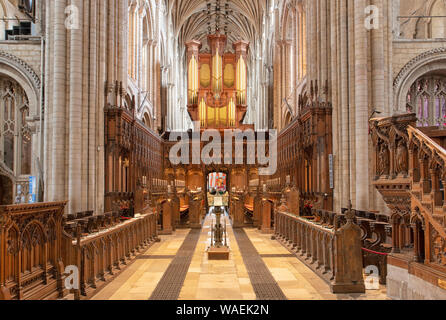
(133, 157)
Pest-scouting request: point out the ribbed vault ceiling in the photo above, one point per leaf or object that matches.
(195, 19)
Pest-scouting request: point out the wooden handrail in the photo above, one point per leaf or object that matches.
(433, 146)
(335, 254)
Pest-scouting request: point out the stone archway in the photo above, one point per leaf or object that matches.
(424, 63)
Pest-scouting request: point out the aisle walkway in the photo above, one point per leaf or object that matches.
(160, 273)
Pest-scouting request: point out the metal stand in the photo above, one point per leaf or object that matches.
(219, 249)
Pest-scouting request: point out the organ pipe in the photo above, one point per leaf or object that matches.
(193, 81)
(217, 74)
(241, 81)
(231, 113)
(202, 112)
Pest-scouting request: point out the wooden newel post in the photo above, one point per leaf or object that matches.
(195, 209)
(257, 211)
(77, 292)
(348, 263)
(166, 208)
(267, 211)
(395, 235)
(239, 210)
(176, 210)
(4, 292)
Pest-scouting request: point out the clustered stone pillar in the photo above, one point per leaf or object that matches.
(56, 190)
(95, 61)
(75, 154)
(352, 89)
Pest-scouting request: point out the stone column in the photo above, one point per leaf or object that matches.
(324, 47)
(102, 66)
(335, 95)
(58, 117)
(344, 103)
(111, 75)
(75, 117)
(49, 84)
(92, 114)
(361, 108)
(123, 24)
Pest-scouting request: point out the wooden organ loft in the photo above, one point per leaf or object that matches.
(217, 83)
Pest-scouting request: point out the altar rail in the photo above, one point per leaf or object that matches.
(333, 253)
(102, 255)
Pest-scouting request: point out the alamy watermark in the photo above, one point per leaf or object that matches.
(72, 279)
(372, 18)
(72, 19)
(261, 148)
(372, 279)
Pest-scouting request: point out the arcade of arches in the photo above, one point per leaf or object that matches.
(331, 182)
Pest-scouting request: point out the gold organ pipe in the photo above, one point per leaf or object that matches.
(202, 111)
(241, 81)
(231, 113)
(217, 71)
(193, 81)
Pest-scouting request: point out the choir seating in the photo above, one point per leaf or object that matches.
(184, 208)
(31, 260)
(105, 250)
(38, 242)
(249, 208)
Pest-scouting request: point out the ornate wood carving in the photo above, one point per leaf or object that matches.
(31, 265)
(334, 253)
(303, 152)
(413, 188)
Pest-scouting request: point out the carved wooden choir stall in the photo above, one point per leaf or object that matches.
(304, 148)
(410, 165)
(133, 157)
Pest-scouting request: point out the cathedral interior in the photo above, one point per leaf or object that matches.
(222, 150)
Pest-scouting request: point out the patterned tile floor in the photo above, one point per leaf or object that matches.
(223, 280)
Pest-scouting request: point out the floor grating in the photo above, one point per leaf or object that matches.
(263, 283)
(289, 255)
(155, 257)
(169, 287)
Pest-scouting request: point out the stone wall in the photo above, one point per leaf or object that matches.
(29, 51)
(404, 286)
(406, 50)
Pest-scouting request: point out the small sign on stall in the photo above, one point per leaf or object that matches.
(32, 189)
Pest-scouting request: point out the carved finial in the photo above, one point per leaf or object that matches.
(283, 204)
(311, 90)
(350, 214)
(3, 219)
